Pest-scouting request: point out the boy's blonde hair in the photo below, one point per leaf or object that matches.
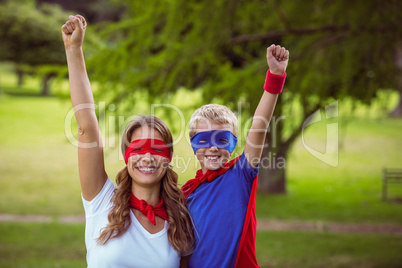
(216, 113)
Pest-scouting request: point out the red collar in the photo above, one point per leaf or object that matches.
(210, 175)
(148, 210)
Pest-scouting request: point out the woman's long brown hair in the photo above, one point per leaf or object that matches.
(180, 232)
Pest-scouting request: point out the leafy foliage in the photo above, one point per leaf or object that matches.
(31, 35)
(339, 49)
(162, 45)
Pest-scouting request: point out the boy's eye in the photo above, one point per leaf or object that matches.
(138, 149)
(203, 141)
(158, 150)
(224, 140)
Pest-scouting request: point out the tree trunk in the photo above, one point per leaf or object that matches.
(397, 112)
(45, 84)
(272, 170)
(272, 180)
(20, 76)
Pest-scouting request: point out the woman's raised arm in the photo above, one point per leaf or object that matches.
(90, 149)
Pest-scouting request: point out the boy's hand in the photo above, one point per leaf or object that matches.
(277, 59)
(73, 31)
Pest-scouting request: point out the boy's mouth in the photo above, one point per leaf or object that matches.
(212, 158)
(147, 169)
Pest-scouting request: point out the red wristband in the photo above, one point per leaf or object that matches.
(274, 83)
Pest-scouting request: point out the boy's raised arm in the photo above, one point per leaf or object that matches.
(277, 59)
(90, 150)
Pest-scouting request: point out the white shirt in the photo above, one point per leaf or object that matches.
(135, 248)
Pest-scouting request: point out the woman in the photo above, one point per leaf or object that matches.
(142, 222)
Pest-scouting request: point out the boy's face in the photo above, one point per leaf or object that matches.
(212, 158)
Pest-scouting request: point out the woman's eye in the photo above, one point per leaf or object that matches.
(224, 140)
(158, 150)
(138, 149)
(203, 141)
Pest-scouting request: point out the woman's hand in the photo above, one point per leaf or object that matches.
(74, 31)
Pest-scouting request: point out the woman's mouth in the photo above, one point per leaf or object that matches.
(147, 170)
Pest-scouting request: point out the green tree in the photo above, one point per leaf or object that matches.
(30, 37)
(93, 10)
(339, 49)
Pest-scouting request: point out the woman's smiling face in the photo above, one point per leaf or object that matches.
(147, 169)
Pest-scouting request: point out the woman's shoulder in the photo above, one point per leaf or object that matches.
(102, 201)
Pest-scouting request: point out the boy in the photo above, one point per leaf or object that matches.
(221, 198)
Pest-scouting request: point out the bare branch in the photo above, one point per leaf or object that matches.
(282, 16)
(307, 31)
(280, 33)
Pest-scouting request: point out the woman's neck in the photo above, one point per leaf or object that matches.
(150, 195)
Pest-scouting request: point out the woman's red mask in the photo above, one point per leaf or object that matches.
(144, 146)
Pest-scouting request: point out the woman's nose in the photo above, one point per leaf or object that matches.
(147, 157)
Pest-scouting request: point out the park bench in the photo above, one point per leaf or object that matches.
(390, 176)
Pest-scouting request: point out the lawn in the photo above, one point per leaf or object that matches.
(316, 250)
(38, 175)
(38, 161)
(349, 192)
(62, 245)
(42, 245)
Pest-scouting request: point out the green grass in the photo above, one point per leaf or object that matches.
(38, 164)
(309, 249)
(350, 192)
(39, 168)
(42, 245)
(62, 245)
(38, 175)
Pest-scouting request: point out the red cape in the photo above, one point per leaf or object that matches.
(246, 255)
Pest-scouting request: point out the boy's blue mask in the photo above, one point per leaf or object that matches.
(220, 138)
